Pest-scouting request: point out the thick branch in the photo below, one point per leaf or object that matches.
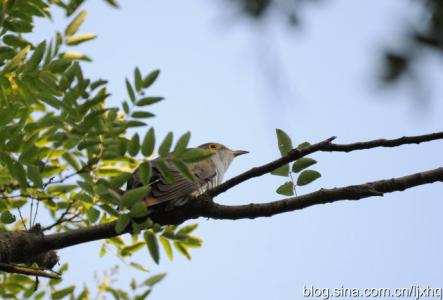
(26, 247)
(322, 196)
(31, 246)
(204, 207)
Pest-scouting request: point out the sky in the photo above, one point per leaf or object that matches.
(232, 81)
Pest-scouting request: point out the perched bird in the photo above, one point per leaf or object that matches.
(208, 173)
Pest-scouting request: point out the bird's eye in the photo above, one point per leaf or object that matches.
(212, 146)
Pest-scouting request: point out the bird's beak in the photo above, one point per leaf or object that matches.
(239, 152)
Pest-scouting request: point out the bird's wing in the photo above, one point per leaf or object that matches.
(204, 172)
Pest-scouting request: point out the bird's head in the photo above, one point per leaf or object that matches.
(223, 156)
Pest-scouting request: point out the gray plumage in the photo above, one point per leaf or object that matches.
(208, 173)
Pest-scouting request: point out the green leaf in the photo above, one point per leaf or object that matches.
(130, 90)
(196, 154)
(122, 222)
(34, 175)
(6, 217)
(135, 123)
(182, 144)
(148, 101)
(138, 210)
(117, 241)
(117, 181)
(18, 172)
(144, 172)
(40, 295)
(138, 267)
(187, 229)
(286, 189)
(15, 41)
(75, 55)
(149, 80)
(98, 83)
(112, 3)
(166, 246)
(93, 214)
(17, 59)
(182, 249)
(165, 146)
(284, 142)
(76, 23)
(151, 242)
(132, 196)
(138, 79)
(61, 188)
(109, 210)
(148, 291)
(71, 160)
(151, 281)
(193, 242)
(102, 250)
(165, 172)
(302, 163)
(63, 293)
(36, 57)
(134, 145)
(149, 143)
(282, 171)
(125, 106)
(303, 145)
(184, 170)
(142, 114)
(18, 25)
(131, 249)
(307, 177)
(80, 38)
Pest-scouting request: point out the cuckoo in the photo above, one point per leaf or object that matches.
(208, 173)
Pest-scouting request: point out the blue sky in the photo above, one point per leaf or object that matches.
(230, 81)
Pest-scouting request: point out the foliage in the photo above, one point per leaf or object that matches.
(305, 177)
(64, 150)
(23, 287)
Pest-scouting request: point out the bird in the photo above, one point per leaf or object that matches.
(207, 173)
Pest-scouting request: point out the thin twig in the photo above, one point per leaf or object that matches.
(62, 218)
(85, 168)
(35, 213)
(27, 271)
(30, 212)
(21, 218)
(405, 140)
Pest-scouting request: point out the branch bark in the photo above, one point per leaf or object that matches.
(322, 196)
(28, 246)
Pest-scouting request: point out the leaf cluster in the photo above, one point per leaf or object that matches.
(298, 169)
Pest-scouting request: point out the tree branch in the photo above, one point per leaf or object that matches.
(383, 143)
(323, 146)
(27, 271)
(204, 207)
(322, 196)
(27, 246)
